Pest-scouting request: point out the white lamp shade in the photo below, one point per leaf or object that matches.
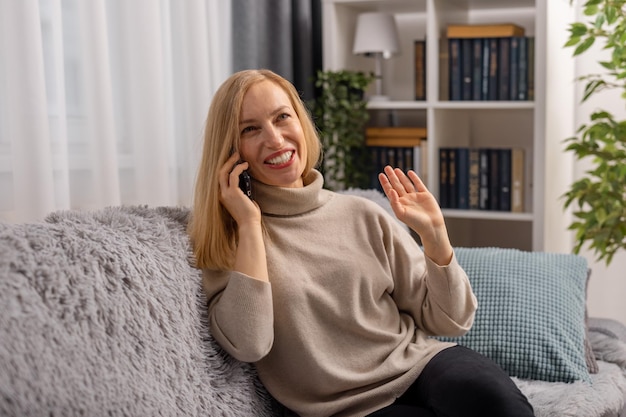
(376, 32)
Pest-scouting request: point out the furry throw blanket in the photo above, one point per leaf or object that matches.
(103, 315)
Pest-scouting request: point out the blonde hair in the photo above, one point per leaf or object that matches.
(212, 230)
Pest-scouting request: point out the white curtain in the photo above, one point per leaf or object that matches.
(102, 102)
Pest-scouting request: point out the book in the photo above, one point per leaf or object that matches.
(423, 156)
(454, 66)
(474, 179)
(494, 80)
(396, 142)
(396, 132)
(484, 31)
(531, 68)
(514, 49)
(453, 191)
(467, 63)
(504, 46)
(484, 69)
(522, 92)
(504, 179)
(494, 179)
(517, 180)
(444, 185)
(420, 69)
(484, 178)
(461, 159)
(477, 68)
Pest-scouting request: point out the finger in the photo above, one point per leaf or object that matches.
(387, 187)
(405, 181)
(394, 181)
(417, 181)
(229, 164)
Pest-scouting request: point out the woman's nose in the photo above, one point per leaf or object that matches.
(273, 137)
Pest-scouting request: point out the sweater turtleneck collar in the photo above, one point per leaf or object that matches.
(280, 201)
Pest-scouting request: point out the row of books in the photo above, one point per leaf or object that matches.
(402, 147)
(490, 62)
(481, 178)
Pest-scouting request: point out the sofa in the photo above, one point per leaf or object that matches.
(103, 314)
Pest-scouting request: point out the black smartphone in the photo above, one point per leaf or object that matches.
(245, 183)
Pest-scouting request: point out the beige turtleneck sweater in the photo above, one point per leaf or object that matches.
(342, 327)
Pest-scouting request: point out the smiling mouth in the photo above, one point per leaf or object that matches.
(280, 159)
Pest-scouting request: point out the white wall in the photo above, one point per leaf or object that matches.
(607, 287)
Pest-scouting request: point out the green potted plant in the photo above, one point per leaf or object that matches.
(340, 113)
(598, 198)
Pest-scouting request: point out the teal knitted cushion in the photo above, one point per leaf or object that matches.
(531, 312)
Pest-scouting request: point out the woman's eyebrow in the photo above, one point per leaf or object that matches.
(273, 113)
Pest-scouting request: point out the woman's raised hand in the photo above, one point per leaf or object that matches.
(415, 206)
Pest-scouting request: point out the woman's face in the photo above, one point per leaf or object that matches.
(271, 136)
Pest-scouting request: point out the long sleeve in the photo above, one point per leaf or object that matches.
(240, 314)
(439, 298)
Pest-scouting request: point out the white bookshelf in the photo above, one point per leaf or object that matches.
(465, 123)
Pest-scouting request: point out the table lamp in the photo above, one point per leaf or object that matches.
(377, 36)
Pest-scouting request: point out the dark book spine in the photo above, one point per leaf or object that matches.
(420, 69)
(377, 167)
(514, 68)
(522, 92)
(531, 68)
(484, 179)
(466, 68)
(408, 159)
(474, 179)
(504, 178)
(444, 185)
(504, 68)
(453, 186)
(494, 180)
(477, 68)
(494, 82)
(454, 50)
(462, 178)
(484, 69)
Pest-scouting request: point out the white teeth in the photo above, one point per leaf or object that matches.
(281, 159)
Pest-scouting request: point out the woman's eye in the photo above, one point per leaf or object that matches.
(247, 129)
(284, 116)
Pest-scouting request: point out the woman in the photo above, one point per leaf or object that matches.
(327, 294)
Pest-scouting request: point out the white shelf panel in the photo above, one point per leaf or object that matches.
(397, 105)
(487, 215)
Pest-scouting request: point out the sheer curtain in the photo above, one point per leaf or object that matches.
(102, 102)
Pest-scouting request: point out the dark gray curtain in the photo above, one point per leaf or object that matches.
(281, 35)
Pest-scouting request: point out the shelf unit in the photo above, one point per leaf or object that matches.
(459, 123)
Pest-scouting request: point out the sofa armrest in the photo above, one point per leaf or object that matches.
(609, 327)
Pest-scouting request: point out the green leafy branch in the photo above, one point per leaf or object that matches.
(599, 196)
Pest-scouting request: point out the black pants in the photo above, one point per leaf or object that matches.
(459, 382)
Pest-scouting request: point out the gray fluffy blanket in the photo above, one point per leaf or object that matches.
(103, 315)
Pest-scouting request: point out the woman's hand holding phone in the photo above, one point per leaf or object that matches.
(237, 201)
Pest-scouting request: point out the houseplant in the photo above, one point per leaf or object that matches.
(340, 114)
(599, 196)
